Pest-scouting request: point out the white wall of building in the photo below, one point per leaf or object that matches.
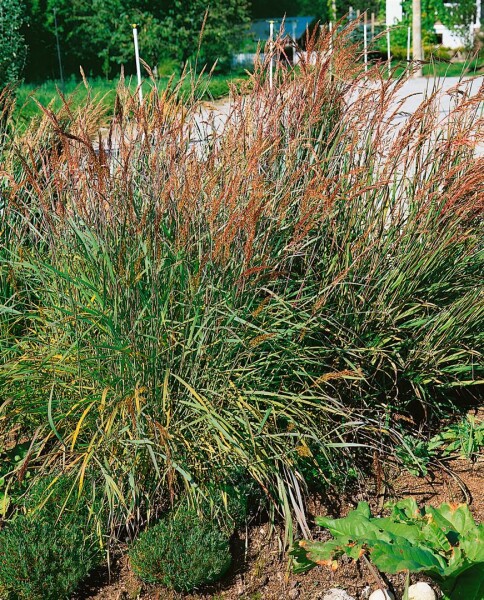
(450, 39)
(394, 12)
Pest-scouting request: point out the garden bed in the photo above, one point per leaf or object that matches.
(260, 571)
(292, 303)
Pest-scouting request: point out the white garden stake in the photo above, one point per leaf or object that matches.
(271, 50)
(138, 65)
(331, 50)
(389, 54)
(365, 42)
(409, 37)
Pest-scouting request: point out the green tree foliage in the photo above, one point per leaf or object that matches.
(223, 29)
(261, 9)
(12, 45)
(97, 34)
(458, 16)
(41, 59)
(318, 8)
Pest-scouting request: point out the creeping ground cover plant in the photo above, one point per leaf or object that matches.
(443, 543)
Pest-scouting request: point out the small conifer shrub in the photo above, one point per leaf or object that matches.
(181, 552)
(44, 560)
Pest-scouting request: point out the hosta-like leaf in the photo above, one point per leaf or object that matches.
(444, 543)
(309, 554)
(468, 586)
(432, 535)
(356, 525)
(321, 552)
(458, 515)
(405, 510)
(393, 558)
(473, 545)
(408, 531)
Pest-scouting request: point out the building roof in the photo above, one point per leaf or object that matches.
(292, 26)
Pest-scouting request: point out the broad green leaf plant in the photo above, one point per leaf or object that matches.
(443, 543)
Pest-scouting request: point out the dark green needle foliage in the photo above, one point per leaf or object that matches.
(181, 552)
(41, 560)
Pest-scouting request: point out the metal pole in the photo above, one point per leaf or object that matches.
(61, 71)
(409, 41)
(365, 42)
(372, 25)
(138, 65)
(271, 49)
(331, 51)
(389, 54)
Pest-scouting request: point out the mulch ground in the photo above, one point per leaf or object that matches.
(260, 570)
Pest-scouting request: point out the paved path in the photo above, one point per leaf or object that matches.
(212, 117)
(414, 91)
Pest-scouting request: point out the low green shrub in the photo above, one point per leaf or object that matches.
(44, 560)
(46, 552)
(181, 552)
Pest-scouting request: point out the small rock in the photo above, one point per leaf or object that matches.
(294, 584)
(421, 591)
(240, 587)
(365, 594)
(293, 594)
(337, 594)
(382, 595)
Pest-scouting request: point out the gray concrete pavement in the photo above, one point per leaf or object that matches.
(415, 90)
(213, 117)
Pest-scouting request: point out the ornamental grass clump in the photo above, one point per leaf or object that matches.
(181, 552)
(181, 300)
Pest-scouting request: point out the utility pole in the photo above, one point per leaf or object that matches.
(417, 36)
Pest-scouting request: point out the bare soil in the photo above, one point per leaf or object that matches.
(260, 569)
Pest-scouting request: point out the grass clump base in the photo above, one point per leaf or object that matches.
(181, 552)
